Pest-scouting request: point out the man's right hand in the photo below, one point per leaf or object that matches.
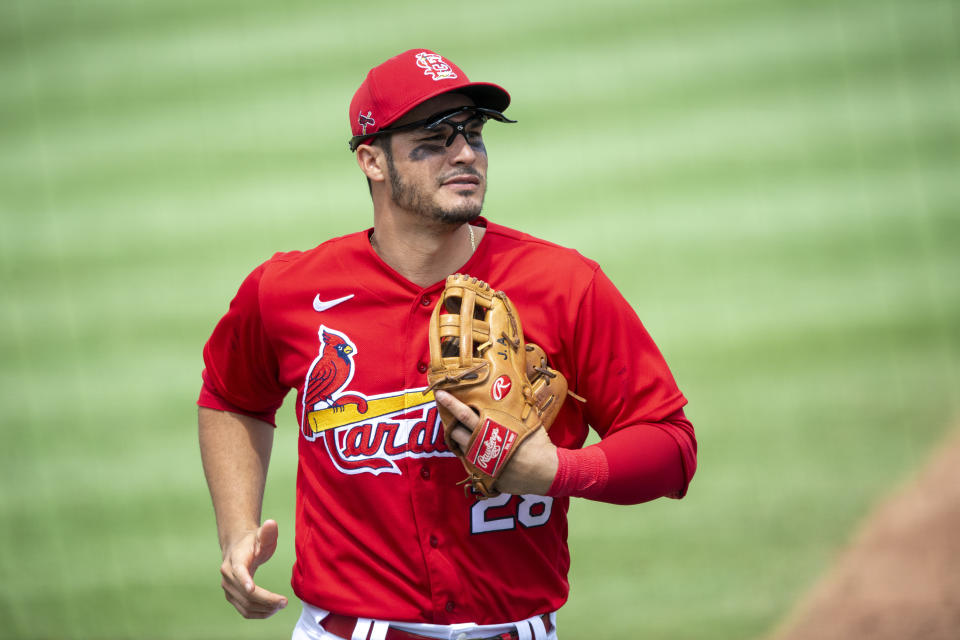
(241, 557)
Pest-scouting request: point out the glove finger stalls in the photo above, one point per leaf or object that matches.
(549, 386)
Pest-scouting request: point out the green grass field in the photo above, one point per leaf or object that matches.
(774, 185)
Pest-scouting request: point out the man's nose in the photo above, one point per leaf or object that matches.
(463, 152)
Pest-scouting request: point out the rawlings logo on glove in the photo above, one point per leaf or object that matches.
(477, 353)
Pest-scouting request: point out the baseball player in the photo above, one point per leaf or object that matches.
(388, 544)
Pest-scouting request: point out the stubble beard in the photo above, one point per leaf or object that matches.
(412, 198)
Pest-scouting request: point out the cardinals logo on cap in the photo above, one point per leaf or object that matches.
(364, 121)
(435, 66)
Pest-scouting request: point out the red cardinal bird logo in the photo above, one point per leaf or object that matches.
(330, 372)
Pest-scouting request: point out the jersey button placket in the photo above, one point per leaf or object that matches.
(431, 520)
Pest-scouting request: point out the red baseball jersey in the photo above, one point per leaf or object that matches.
(383, 530)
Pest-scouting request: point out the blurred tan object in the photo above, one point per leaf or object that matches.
(900, 577)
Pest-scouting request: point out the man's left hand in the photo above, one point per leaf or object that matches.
(534, 464)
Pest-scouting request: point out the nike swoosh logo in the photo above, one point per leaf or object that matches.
(321, 305)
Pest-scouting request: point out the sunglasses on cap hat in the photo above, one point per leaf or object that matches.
(438, 120)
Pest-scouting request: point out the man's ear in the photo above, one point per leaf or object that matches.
(373, 162)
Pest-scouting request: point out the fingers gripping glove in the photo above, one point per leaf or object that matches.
(477, 353)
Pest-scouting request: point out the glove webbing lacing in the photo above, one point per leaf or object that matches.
(550, 374)
(468, 374)
(542, 369)
(471, 373)
(513, 321)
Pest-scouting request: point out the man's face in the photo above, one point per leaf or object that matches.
(442, 184)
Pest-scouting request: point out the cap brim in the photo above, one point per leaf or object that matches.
(485, 94)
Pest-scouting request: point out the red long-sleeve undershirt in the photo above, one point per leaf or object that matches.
(636, 464)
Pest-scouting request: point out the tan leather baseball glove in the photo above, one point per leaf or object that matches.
(477, 353)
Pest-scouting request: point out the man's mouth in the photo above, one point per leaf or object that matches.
(462, 180)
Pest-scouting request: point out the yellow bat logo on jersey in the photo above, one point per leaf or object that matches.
(392, 426)
(343, 416)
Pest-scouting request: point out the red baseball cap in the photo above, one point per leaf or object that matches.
(396, 86)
